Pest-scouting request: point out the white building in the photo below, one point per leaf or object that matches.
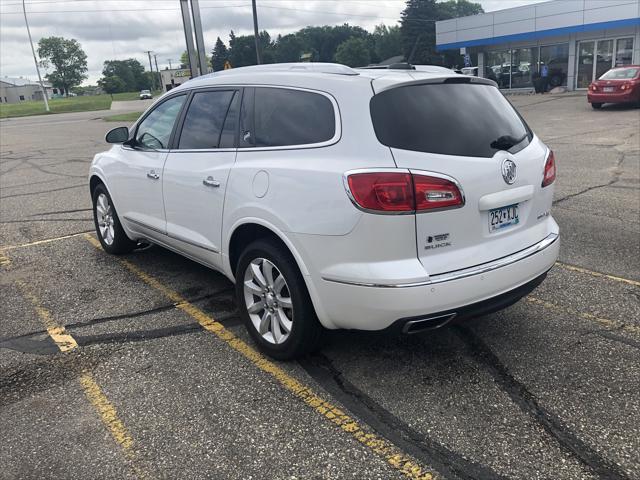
(577, 40)
(16, 90)
(174, 77)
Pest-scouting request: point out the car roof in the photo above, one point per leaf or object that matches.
(329, 77)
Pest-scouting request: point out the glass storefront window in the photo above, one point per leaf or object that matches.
(624, 52)
(500, 65)
(524, 64)
(604, 58)
(556, 59)
(584, 73)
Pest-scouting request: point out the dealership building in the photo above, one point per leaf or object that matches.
(572, 42)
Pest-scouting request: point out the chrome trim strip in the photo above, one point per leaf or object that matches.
(466, 272)
(144, 225)
(194, 244)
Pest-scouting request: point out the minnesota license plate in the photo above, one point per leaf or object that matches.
(503, 217)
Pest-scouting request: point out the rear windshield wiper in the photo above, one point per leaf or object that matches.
(506, 142)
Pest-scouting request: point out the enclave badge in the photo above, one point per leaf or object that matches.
(508, 171)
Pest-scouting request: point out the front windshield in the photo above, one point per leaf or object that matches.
(620, 74)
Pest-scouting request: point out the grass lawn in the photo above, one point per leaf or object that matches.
(72, 104)
(56, 105)
(123, 117)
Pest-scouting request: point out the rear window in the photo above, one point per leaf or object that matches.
(620, 74)
(448, 118)
(285, 117)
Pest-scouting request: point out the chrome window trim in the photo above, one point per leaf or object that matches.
(466, 272)
(345, 183)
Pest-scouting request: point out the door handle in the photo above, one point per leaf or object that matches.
(153, 175)
(210, 182)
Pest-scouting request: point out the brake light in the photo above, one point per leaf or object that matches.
(396, 192)
(593, 87)
(549, 170)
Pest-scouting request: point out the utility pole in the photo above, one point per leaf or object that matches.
(35, 60)
(155, 59)
(197, 28)
(188, 36)
(153, 81)
(255, 31)
(170, 67)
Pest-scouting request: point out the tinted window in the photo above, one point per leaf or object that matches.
(451, 119)
(204, 119)
(155, 130)
(620, 74)
(291, 117)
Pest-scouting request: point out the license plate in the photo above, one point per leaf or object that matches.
(503, 217)
(608, 89)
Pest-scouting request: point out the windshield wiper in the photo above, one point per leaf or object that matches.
(506, 142)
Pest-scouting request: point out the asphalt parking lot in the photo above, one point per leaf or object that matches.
(138, 367)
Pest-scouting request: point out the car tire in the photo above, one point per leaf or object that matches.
(110, 233)
(596, 106)
(268, 279)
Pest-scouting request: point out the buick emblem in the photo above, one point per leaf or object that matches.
(508, 171)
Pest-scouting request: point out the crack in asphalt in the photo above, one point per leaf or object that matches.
(447, 462)
(617, 172)
(36, 220)
(62, 211)
(86, 185)
(528, 403)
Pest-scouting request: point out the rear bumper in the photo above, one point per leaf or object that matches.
(371, 307)
(624, 97)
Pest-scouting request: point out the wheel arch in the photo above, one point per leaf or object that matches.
(246, 231)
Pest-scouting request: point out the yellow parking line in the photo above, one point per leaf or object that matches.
(93, 392)
(598, 274)
(40, 242)
(586, 316)
(4, 260)
(394, 457)
(58, 334)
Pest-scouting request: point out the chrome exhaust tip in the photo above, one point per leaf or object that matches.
(427, 323)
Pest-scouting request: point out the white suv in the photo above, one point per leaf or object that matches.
(337, 198)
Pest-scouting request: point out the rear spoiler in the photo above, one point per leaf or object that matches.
(380, 85)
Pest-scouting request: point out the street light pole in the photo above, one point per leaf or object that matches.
(153, 81)
(170, 67)
(255, 31)
(155, 59)
(35, 60)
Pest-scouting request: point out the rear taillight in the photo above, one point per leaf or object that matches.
(593, 87)
(549, 169)
(402, 191)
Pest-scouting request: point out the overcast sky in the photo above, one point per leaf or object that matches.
(119, 29)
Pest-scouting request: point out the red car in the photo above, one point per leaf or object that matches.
(618, 85)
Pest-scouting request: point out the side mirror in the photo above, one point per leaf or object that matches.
(117, 135)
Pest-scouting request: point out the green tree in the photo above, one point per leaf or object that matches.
(112, 84)
(66, 58)
(418, 31)
(131, 71)
(242, 49)
(387, 42)
(219, 55)
(353, 52)
(325, 40)
(184, 60)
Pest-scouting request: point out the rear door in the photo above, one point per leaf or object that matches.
(470, 132)
(196, 172)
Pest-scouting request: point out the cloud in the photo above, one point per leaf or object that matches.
(119, 29)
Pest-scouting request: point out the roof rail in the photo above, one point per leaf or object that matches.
(313, 67)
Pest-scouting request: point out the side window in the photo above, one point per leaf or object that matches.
(204, 120)
(155, 130)
(285, 117)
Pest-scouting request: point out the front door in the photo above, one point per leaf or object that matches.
(197, 170)
(594, 59)
(137, 177)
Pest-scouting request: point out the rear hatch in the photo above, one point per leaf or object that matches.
(467, 130)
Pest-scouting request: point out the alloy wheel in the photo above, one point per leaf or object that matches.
(104, 214)
(268, 300)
